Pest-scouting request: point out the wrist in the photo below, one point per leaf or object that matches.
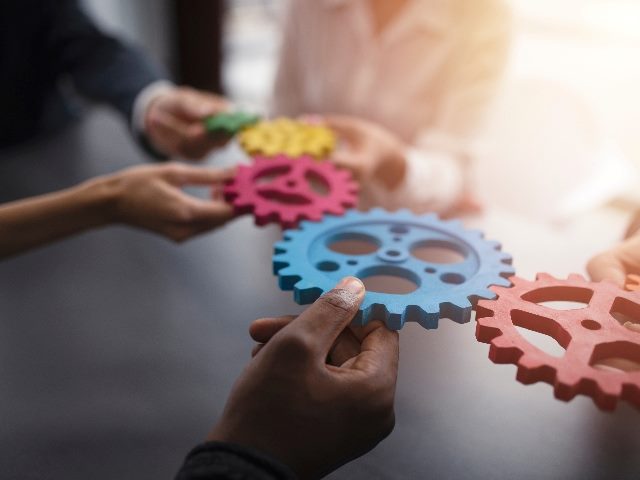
(99, 198)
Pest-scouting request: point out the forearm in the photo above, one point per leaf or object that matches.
(217, 460)
(33, 222)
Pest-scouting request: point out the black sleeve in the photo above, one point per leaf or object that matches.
(102, 67)
(224, 461)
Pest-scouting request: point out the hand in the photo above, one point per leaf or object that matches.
(368, 150)
(615, 264)
(174, 122)
(312, 415)
(150, 197)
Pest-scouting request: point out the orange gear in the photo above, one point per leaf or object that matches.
(602, 357)
(633, 282)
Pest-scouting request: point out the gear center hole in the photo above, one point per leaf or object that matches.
(353, 244)
(389, 279)
(439, 252)
(317, 184)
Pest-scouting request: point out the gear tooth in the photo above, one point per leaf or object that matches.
(505, 258)
(575, 277)
(501, 282)
(455, 223)
(479, 234)
(544, 277)
(305, 296)
(281, 246)
(483, 293)
(458, 311)
(493, 245)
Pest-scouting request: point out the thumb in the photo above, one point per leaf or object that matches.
(607, 266)
(323, 321)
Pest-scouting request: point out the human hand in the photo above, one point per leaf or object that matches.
(312, 415)
(174, 122)
(150, 197)
(618, 262)
(368, 150)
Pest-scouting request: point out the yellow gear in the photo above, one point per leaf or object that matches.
(288, 137)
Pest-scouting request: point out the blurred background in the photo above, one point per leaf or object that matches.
(568, 107)
(137, 342)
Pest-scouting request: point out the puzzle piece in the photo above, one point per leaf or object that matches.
(289, 137)
(602, 345)
(229, 123)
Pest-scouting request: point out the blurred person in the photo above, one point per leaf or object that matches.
(316, 394)
(404, 83)
(147, 197)
(48, 48)
(621, 260)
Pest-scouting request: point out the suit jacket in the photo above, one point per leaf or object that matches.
(44, 42)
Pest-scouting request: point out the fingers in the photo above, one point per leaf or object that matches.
(188, 175)
(345, 348)
(607, 266)
(192, 105)
(347, 128)
(174, 122)
(262, 329)
(318, 327)
(379, 350)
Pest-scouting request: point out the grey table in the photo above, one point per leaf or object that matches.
(117, 350)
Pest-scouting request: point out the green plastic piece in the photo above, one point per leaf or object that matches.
(229, 123)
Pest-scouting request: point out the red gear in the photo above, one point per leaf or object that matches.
(590, 335)
(633, 282)
(289, 197)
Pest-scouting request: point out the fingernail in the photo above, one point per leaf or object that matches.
(351, 285)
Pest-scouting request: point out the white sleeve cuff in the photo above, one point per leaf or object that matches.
(143, 100)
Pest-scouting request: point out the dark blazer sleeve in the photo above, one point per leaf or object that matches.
(102, 67)
(224, 461)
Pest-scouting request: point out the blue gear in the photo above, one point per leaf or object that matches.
(305, 264)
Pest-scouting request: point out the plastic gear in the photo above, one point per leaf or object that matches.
(229, 123)
(288, 137)
(282, 190)
(633, 282)
(592, 336)
(305, 263)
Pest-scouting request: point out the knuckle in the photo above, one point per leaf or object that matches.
(296, 346)
(387, 424)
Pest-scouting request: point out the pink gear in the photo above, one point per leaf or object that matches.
(279, 189)
(602, 352)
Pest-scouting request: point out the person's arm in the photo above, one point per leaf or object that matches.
(225, 461)
(287, 95)
(619, 261)
(167, 120)
(316, 395)
(147, 197)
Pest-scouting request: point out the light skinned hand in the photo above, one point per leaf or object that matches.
(616, 263)
(368, 150)
(151, 197)
(317, 393)
(174, 122)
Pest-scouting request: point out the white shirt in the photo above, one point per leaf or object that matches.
(427, 77)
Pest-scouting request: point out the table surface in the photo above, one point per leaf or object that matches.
(118, 348)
